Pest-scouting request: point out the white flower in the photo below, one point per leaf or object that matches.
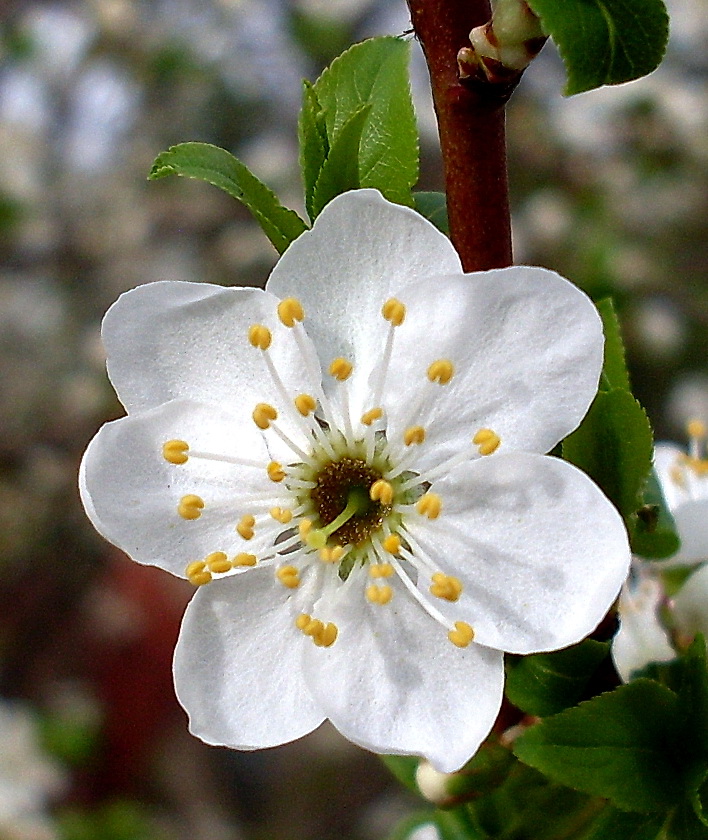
(350, 461)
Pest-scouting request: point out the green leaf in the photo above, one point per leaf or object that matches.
(546, 683)
(655, 532)
(614, 446)
(340, 172)
(605, 42)
(621, 825)
(693, 696)
(314, 144)
(374, 73)
(433, 206)
(619, 745)
(615, 366)
(403, 767)
(218, 167)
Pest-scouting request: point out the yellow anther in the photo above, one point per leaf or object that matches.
(696, 429)
(381, 570)
(371, 416)
(282, 515)
(429, 505)
(302, 621)
(190, 506)
(677, 476)
(200, 578)
(381, 491)
(175, 451)
(218, 563)
(341, 369)
(195, 568)
(327, 636)
(313, 627)
(462, 635)
(331, 554)
(487, 441)
(323, 635)
(441, 371)
(379, 594)
(260, 336)
(413, 434)
(289, 311)
(244, 559)
(446, 586)
(275, 471)
(246, 526)
(304, 528)
(305, 404)
(394, 311)
(392, 544)
(288, 576)
(263, 415)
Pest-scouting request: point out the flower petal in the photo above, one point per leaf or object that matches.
(131, 492)
(237, 665)
(361, 250)
(170, 339)
(690, 606)
(540, 551)
(527, 352)
(393, 683)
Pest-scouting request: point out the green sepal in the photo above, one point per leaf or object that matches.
(605, 42)
(654, 534)
(218, 167)
(433, 206)
(546, 683)
(621, 745)
(403, 767)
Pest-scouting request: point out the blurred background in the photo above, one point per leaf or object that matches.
(609, 188)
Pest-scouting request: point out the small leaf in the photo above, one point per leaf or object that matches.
(218, 167)
(340, 172)
(314, 144)
(619, 745)
(374, 73)
(433, 206)
(621, 825)
(605, 42)
(615, 366)
(693, 696)
(545, 683)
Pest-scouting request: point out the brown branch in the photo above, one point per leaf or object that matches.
(472, 137)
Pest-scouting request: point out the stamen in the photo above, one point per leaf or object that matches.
(371, 416)
(288, 576)
(696, 429)
(357, 503)
(217, 562)
(381, 491)
(289, 311)
(196, 573)
(341, 369)
(379, 594)
(462, 635)
(246, 526)
(441, 371)
(305, 404)
(175, 451)
(190, 506)
(413, 434)
(394, 312)
(429, 505)
(487, 441)
(392, 544)
(381, 570)
(263, 415)
(445, 586)
(323, 635)
(282, 515)
(244, 559)
(331, 554)
(260, 336)
(275, 471)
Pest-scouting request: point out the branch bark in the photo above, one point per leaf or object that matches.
(472, 134)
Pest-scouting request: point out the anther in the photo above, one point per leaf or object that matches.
(381, 491)
(282, 515)
(289, 311)
(696, 429)
(263, 415)
(190, 506)
(244, 559)
(487, 441)
(323, 635)
(305, 404)
(288, 576)
(246, 526)
(275, 471)
(462, 635)
(302, 621)
(304, 528)
(331, 554)
(371, 416)
(413, 434)
(441, 371)
(392, 544)
(327, 636)
(394, 312)
(197, 574)
(379, 594)
(341, 369)
(381, 570)
(175, 451)
(217, 562)
(445, 586)
(195, 568)
(429, 505)
(260, 336)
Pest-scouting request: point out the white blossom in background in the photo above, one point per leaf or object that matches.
(348, 465)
